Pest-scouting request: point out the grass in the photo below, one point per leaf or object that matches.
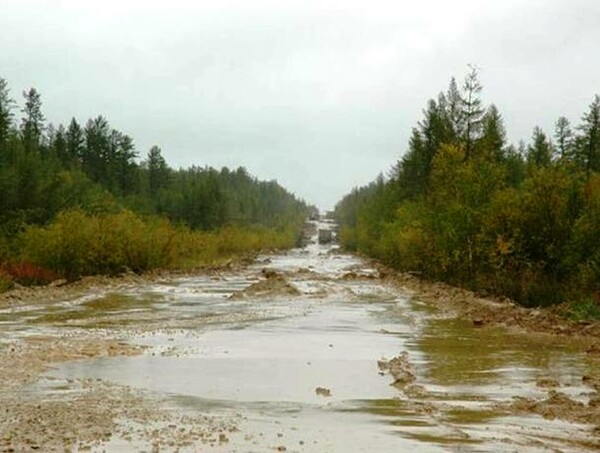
(585, 310)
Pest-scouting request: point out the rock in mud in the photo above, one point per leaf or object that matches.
(400, 369)
(322, 391)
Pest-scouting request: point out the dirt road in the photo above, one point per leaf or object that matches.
(307, 351)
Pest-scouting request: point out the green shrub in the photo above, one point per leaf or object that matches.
(78, 243)
(585, 310)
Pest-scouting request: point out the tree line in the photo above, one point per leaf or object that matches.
(47, 170)
(464, 206)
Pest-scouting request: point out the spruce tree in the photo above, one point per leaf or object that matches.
(6, 115)
(564, 137)
(32, 123)
(589, 150)
(539, 153)
(472, 110)
(75, 141)
(493, 137)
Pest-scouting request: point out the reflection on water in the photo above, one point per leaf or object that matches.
(264, 358)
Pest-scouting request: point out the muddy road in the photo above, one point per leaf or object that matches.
(305, 351)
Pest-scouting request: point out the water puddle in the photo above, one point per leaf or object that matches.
(301, 372)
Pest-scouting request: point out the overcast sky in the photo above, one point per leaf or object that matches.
(319, 95)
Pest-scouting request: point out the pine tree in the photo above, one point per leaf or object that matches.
(564, 137)
(32, 123)
(493, 137)
(434, 129)
(539, 153)
(158, 170)
(454, 109)
(75, 141)
(589, 151)
(57, 144)
(97, 132)
(472, 110)
(125, 164)
(6, 115)
(411, 173)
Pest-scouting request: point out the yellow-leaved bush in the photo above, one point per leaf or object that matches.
(77, 243)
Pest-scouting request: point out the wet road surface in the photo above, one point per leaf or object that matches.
(299, 372)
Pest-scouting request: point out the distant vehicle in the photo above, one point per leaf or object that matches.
(325, 236)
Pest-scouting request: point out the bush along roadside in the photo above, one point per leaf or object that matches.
(464, 207)
(77, 244)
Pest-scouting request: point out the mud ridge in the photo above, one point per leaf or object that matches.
(400, 369)
(272, 285)
(483, 311)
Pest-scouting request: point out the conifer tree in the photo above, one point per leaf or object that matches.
(564, 137)
(158, 171)
(6, 115)
(472, 110)
(493, 137)
(454, 109)
(75, 141)
(539, 153)
(32, 123)
(589, 150)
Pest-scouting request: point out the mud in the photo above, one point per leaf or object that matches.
(93, 415)
(21, 361)
(400, 369)
(312, 350)
(457, 302)
(559, 406)
(322, 391)
(63, 290)
(60, 291)
(273, 285)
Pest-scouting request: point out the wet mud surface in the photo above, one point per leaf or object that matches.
(312, 350)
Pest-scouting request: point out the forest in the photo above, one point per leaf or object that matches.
(77, 200)
(465, 207)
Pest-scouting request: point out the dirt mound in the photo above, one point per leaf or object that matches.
(557, 406)
(493, 311)
(400, 369)
(350, 276)
(274, 284)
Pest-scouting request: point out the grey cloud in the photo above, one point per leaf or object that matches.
(318, 95)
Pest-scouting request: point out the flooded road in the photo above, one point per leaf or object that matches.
(306, 351)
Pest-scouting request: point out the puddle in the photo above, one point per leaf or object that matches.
(281, 360)
(264, 358)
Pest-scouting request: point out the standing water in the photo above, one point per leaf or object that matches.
(297, 350)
